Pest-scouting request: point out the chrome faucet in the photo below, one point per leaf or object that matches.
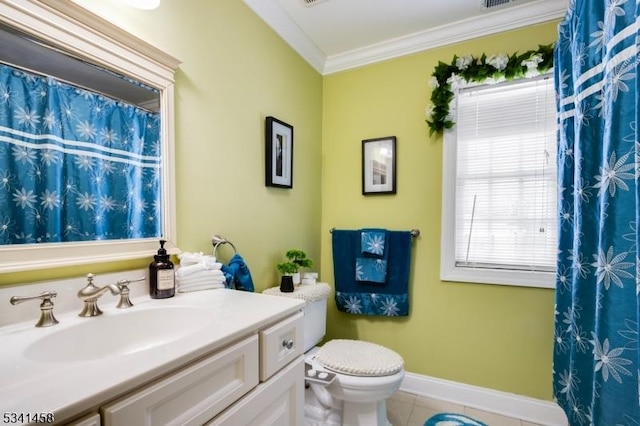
(90, 294)
(46, 307)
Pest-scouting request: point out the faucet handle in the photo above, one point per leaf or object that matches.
(46, 307)
(123, 285)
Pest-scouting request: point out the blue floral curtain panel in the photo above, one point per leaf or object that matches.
(596, 364)
(75, 165)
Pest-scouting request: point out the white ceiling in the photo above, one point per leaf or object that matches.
(335, 35)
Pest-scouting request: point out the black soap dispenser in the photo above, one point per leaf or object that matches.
(162, 279)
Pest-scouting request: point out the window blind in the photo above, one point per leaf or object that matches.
(506, 176)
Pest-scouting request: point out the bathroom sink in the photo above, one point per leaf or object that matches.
(122, 333)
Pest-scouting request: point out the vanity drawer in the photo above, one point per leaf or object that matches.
(280, 344)
(193, 395)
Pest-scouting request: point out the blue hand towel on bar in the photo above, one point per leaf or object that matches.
(371, 269)
(372, 264)
(372, 242)
(368, 298)
(237, 274)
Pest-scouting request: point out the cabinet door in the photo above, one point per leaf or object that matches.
(276, 402)
(194, 394)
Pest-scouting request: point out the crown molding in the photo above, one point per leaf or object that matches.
(491, 23)
(271, 12)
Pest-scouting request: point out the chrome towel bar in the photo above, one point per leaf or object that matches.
(414, 232)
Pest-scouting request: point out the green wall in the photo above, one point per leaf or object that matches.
(499, 337)
(235, 71)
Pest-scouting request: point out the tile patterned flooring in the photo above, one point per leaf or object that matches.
(406, 409)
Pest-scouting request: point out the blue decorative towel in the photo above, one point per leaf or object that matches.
(450, 419)
(371, 266)
(370, 298)
(371, 269)
(237, 274)
(372, 242)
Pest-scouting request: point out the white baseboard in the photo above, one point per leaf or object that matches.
(507, 404)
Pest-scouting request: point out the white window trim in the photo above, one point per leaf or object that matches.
(87, 35)
(449, 271)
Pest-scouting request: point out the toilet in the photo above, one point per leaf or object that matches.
(349, 380)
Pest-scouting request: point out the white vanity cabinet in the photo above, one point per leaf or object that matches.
(225, 349)
(258, 380)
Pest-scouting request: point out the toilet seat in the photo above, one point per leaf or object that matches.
(359, 358)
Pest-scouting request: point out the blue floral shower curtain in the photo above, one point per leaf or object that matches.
(596, 363)
(75, 165)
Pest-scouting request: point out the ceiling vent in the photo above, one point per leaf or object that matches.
(491, 4)
(312, 2)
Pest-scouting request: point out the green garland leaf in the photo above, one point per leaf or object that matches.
(478, 70)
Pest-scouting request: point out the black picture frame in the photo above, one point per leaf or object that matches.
(379, 166)
(278, 153)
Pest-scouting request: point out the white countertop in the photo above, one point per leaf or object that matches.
(70, 388)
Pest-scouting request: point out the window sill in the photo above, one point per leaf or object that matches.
(499, 277)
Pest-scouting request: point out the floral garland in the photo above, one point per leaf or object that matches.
(492, 69)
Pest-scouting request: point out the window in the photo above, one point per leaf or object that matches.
(499, 220)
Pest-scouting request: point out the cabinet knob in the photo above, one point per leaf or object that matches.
(287, 343)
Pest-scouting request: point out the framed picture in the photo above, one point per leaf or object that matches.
(278, 153)
(379, 166)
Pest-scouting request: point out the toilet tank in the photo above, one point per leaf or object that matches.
(315, 322)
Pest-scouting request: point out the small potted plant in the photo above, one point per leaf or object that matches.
(296, 259)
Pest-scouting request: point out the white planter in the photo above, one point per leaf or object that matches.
(309, 278)
(296, 278)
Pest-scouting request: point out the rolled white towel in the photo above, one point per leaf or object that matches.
(201, 280)
(189, 288)
(183, 271)
(188, 258)
(210, 262)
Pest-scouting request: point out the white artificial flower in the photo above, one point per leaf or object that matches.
(433, 83)
(532, 62)
(428, 111)
(455, 81)
(499, 62)
(532, 65)
(463, 62)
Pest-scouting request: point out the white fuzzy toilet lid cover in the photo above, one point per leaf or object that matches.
(359, 358)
